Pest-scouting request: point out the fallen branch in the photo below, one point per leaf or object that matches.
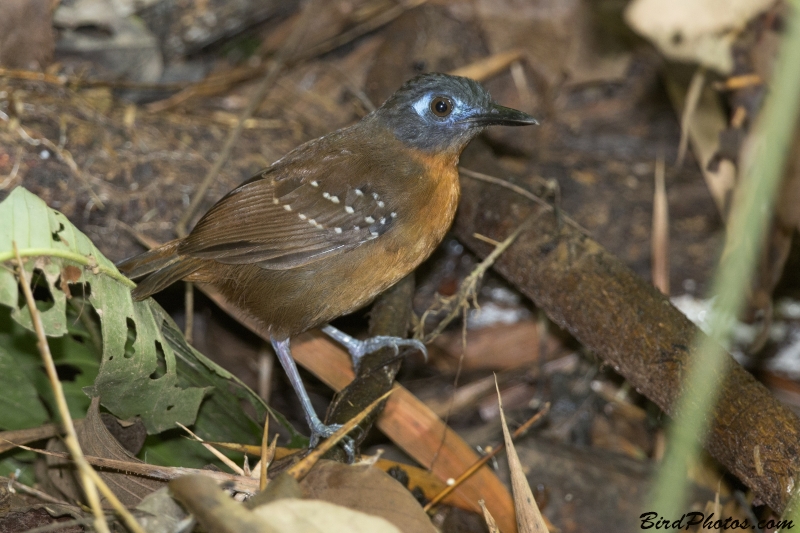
(626, 321)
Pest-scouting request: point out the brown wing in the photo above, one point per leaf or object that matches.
(292, 215)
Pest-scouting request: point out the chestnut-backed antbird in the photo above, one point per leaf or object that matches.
(338, 220)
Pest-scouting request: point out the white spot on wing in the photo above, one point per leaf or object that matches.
(359, 192)
(380, 203)
(369, 220)
(337, 230)
(335, 199)
(349, 210)
(287, 207)
(302, 216)
(314, 184)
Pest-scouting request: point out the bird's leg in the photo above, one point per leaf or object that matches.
(358, 349)
(318, 429)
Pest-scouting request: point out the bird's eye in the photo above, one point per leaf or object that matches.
(441, 106)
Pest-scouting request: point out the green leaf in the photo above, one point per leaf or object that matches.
(20, 464)
(20, 406)
(128, 383)
(128, 353)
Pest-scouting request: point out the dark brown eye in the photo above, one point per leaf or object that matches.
(441, 106)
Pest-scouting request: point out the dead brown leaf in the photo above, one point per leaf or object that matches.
(97, 441)
(368, 490)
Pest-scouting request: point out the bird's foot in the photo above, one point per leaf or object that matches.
(358, 348)
(321, 431)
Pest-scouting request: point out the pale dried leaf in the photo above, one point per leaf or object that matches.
(315, 516)
(529, 517)
(698, 31)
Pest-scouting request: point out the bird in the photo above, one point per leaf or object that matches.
(338, 220)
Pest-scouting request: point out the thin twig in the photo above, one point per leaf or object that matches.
(466, 292)
(71, 439)
(55, 526)
(188, 304)
(165, 473)
(459, 368)
(486, 458)
(692, 99)
(660, 232)
(219, 455)
(521, 191)
(299, 470)
(36, 493)
(262, 481)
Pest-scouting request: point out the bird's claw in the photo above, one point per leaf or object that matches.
(358, 348)
(376, 343)
(321, 431)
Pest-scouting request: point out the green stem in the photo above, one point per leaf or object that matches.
(75, 257)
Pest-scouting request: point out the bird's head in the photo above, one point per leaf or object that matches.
(438, 112)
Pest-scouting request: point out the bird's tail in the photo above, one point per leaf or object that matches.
(162, 266)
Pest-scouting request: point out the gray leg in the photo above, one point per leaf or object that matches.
(358, 349)
(318, 429)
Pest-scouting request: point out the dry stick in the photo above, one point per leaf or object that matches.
(302, 468)
(520, 191)
(188, 304)
(464, 308)
(529, 516)
(71, 439)
(690, 106)
(164, 473)
(56, 526)
(485, 459)
(660, 237)
(488, 66)
(24, 436)
(275, 67)
(468, 288)
(218, 454)
(487, 516)
(36, 493)
(262, 481)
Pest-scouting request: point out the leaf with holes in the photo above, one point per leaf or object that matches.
(137, 371)
(145, 368)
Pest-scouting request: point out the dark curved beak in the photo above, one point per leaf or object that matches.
(502, 116)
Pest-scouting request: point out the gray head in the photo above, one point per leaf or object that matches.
(438, 112)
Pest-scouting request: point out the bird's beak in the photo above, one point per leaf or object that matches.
(502, 116)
